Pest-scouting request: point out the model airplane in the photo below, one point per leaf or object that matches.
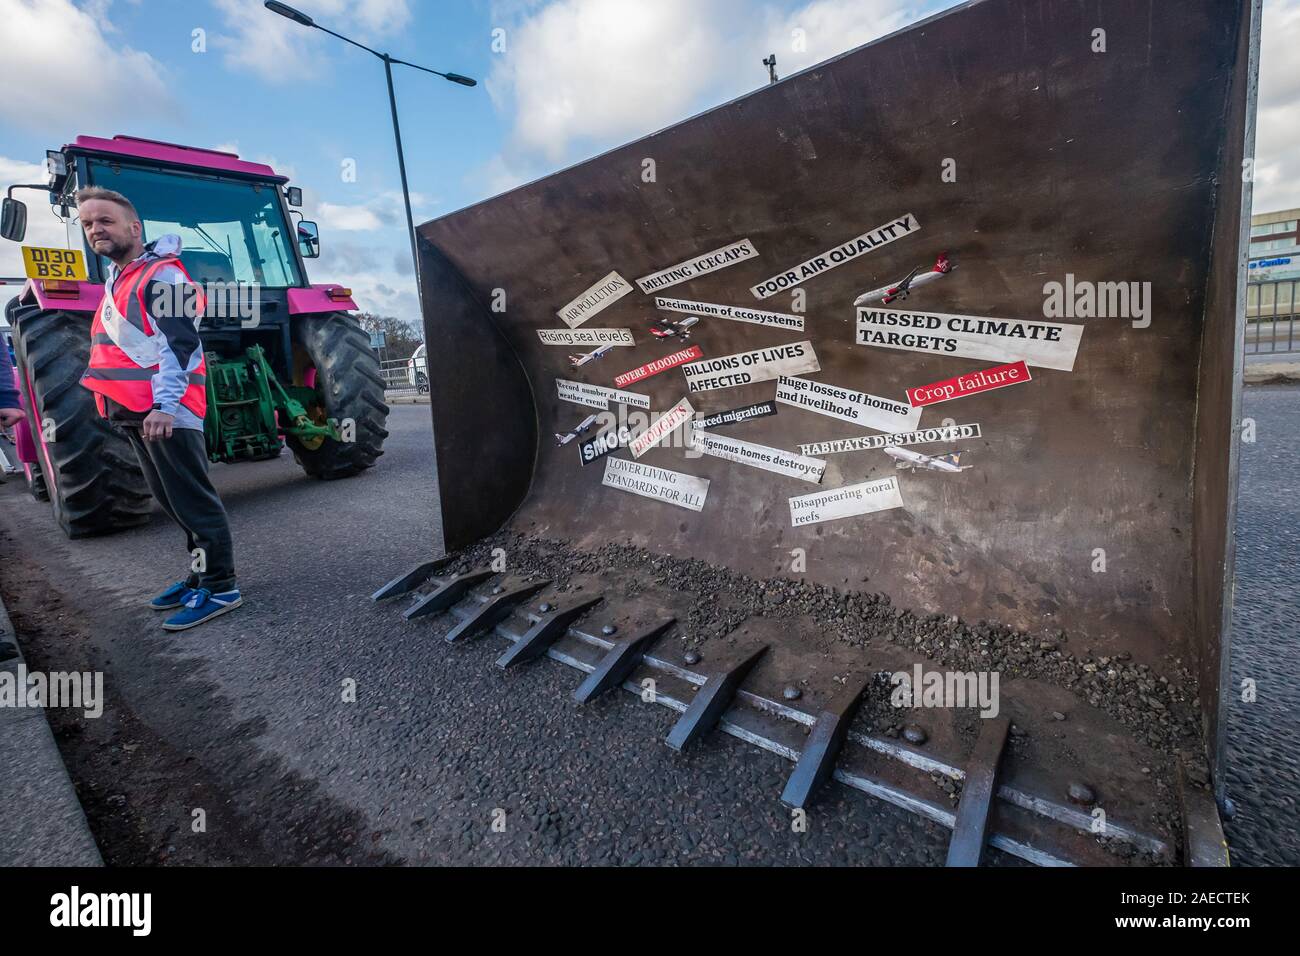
(901, 290)
(582, 427)
(579, 360)
(906, 458)
(669, 328)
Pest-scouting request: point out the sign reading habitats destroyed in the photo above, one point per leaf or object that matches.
(698, 266)
(604, 443)
(846, 502)
(872, 411)
(597, 396)
(985, 380)
(605, 292)
(1045, 344)
(736, 313)
(744, 368)
(873, 239)
(684, 491)
(944, 433)
(658, 365)
(661, 428)
(586, 336)
(760, 456)
(736, 415)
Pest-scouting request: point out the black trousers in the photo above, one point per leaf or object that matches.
(176, 470)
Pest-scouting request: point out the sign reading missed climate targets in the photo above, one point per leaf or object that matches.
(597, 396)
(698, 266)
(847, 252)
(661, 428)
(736, 313)
(871, 411)
(745, 368)
(759, 456)
(944, 433)
(605, 292)
(846, 502)
(586, 336)
(684, 491)
(1043, 344)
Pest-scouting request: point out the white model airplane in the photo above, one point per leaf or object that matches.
(901, 290)
(578, 360)
(667, 328)
(905, 458)
(582, 427)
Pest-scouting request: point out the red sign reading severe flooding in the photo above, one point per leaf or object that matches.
(985, 380)
(659, 365)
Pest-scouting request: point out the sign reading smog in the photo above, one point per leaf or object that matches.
(846, 502)
(605, 292)
(698, 266)
(674, 487)
(867, 242)
(872, 411)
(745, 368)
(1043, 344)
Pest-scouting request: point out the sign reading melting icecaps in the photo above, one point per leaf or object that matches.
(944, 433)
(736, 313)
(597, 396)
(846, 252)
(698, 266)
(1044, 344)
(658, 365)
(846, 502)
(736, 415)
(744, 368)
(759, 456)
(661, 428)
(872, 411)
(586, 336)
(605, 292)
(684, 491)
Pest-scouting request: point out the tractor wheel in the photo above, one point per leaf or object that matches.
(333, 356)
(88, 470)
(35, 480)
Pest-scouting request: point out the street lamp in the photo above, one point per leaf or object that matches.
(297, 16)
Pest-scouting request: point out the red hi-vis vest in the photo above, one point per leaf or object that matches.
(123, 347)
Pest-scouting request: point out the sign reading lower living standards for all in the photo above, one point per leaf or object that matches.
(698, 266)
(944, 433)
(745, 368)
(871, 411)
(1044, 344)
(586, 336)
(658, 365)
(661, 428)
(985, 380)
(605, 292)
(759, 456)
(674, 487)
(597, 396)
(846, 252)
(846, 502)
(780, 320)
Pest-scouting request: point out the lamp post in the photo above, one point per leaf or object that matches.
(297, 16)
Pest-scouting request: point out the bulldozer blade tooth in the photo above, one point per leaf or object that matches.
(447, 594)
(410, 580)
(711, 702)
(538, 638)
(618, 662)
(495, 610)
(817, 761)
(975, 811)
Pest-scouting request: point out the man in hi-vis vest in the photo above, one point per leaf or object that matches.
(147, 372)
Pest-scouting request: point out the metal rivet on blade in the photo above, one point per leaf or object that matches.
(691, 657)
(545, 608)
(1081, 793)
(609, 629)
(915, 735)
(792, 693)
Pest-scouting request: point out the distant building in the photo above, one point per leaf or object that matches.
(1275, 245)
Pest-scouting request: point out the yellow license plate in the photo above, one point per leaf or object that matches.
(42, 263)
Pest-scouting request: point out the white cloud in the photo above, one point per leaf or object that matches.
(381, 211)
(1277, 143)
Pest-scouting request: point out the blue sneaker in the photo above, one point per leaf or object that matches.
(202, 605)
(174, 596)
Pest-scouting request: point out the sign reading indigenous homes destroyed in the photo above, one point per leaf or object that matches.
(846, 252)
(944, 433)
(744, 368)
(760, 456)
(736, 415)
(684, 491)
(658, 365)
(872, 411)
(736, 313)
(604, 443)
(605, 292)
(698, 266)
(985, 380)
(846, 502)
(597, 396)
(662, 427)
(586, 336)
(1045, 344)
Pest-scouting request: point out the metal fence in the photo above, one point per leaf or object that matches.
(396, 377)
(1271, 317)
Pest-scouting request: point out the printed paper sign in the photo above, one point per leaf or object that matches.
(597, 396)
(603, 444)
(759, 456)
(846, 502)
(847, 252)
(985, 380)
(736, 313)
(684, 491)
(605, 292)
(661, 428)
(1044, 344)
(944, 433)
(744, 368)
(698, 266)
(872, 411)
(586, 336)
(658, 365)
(736, 415)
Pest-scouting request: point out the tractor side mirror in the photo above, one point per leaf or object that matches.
(13, 220)
(294, 195)
(308, 239)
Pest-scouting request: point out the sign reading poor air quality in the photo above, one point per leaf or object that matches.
(845, 252)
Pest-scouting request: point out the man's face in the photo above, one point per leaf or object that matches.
(110, 229)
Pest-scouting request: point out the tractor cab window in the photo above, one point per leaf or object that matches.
(231, 230)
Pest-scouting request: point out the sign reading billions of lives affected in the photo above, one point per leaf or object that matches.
(744, 368)
(597, 396)
(883, 414)
(605, 292)
(658, 365)
(735, 313)
(1044, 344)
(698, 266)
(586, 336)
(674, 487)
(846, 502)
(661, 428)
(868, 241)
(759, 456)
